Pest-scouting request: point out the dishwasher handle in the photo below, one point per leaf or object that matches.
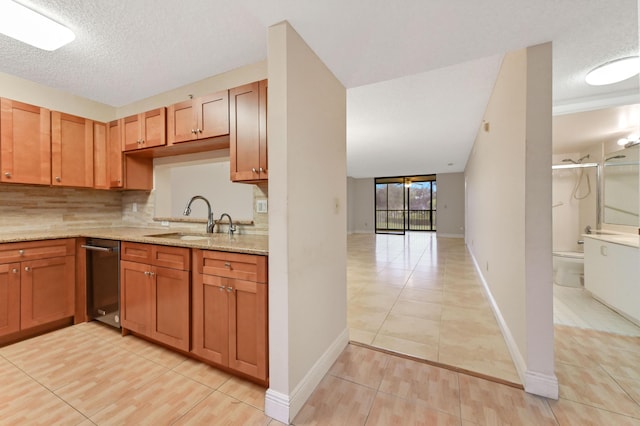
(98, 248)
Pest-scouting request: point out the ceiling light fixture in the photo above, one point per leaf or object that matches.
(27, 26)
(613, 71)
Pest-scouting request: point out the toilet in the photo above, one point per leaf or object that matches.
(568, 268)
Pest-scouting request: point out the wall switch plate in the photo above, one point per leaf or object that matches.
(164, 223)
(261, 206)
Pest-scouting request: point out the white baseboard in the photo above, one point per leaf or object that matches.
(534, 382)
(284, 407)
(541, 384)
(516, 356)
(440, 234)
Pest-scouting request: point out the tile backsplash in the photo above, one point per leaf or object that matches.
(24, 207)
(29, 208)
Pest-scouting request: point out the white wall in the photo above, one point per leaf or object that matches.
(361, 207)
(307, 221)
(450, 205)
(508, 192)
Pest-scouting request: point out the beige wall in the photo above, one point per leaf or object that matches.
(227, 80)
(307, 221)
(29, 92)
(450, 204)
(508, 205)
(360, 205)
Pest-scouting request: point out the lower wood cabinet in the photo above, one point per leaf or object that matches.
(9, 298)
(155, 299)
(37, 284)
(229, 314)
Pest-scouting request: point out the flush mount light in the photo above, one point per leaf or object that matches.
(21, 23)
(614, 71)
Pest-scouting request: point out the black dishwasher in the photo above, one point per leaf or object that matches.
(103, 280)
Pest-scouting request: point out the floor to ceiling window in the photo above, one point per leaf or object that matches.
(405, 203)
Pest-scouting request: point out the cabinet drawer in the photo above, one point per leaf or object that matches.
(17, 252)
(232, 265)
(172, 257)
(169, 257)
(135, 252)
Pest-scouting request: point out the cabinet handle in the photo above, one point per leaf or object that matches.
(229, 289)
(27, 269)
(153, 274)
(261, 170)
(58, 179)
(221, 288)
(193, 130)
(14, 270)
(21, 252)
(146, 273)
(7, 174)
(254, 170)
(227, 265)
(199, 130)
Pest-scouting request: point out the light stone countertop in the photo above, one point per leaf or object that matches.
(248, 244)
(623, 239)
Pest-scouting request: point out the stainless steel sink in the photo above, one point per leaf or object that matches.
(183, 236)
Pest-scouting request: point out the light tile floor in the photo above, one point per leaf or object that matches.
(576, 308)
(88, 374)
(420, 295)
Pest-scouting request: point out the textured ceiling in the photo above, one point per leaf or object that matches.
(126, 51)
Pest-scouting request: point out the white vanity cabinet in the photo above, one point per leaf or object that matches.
(612, 275)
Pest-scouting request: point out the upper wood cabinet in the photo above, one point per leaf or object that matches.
(199, 118)
(107, 158)
(248, 136)
(145, 130)
(25, 143)
(71, 150)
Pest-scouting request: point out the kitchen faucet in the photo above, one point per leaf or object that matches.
(232, 228)
(187, 211)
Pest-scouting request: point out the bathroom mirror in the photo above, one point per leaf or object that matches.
(621, 187)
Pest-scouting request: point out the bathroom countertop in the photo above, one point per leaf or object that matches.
(623, 239)
(248, 244)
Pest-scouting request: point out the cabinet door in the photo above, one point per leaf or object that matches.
(212, 112)
(244, 137)
(248, 328)
(47, 290)
(210, 319)
(132, 132)
(25, 143)
(100, 156)
(71, 150)
(263, 88)
(9, 298)
(154, 128)
(114, 154)
(181, 122)
(170, 311)
(135, 297)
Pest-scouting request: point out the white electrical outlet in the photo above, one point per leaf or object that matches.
(261, 206)
(134, 207)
